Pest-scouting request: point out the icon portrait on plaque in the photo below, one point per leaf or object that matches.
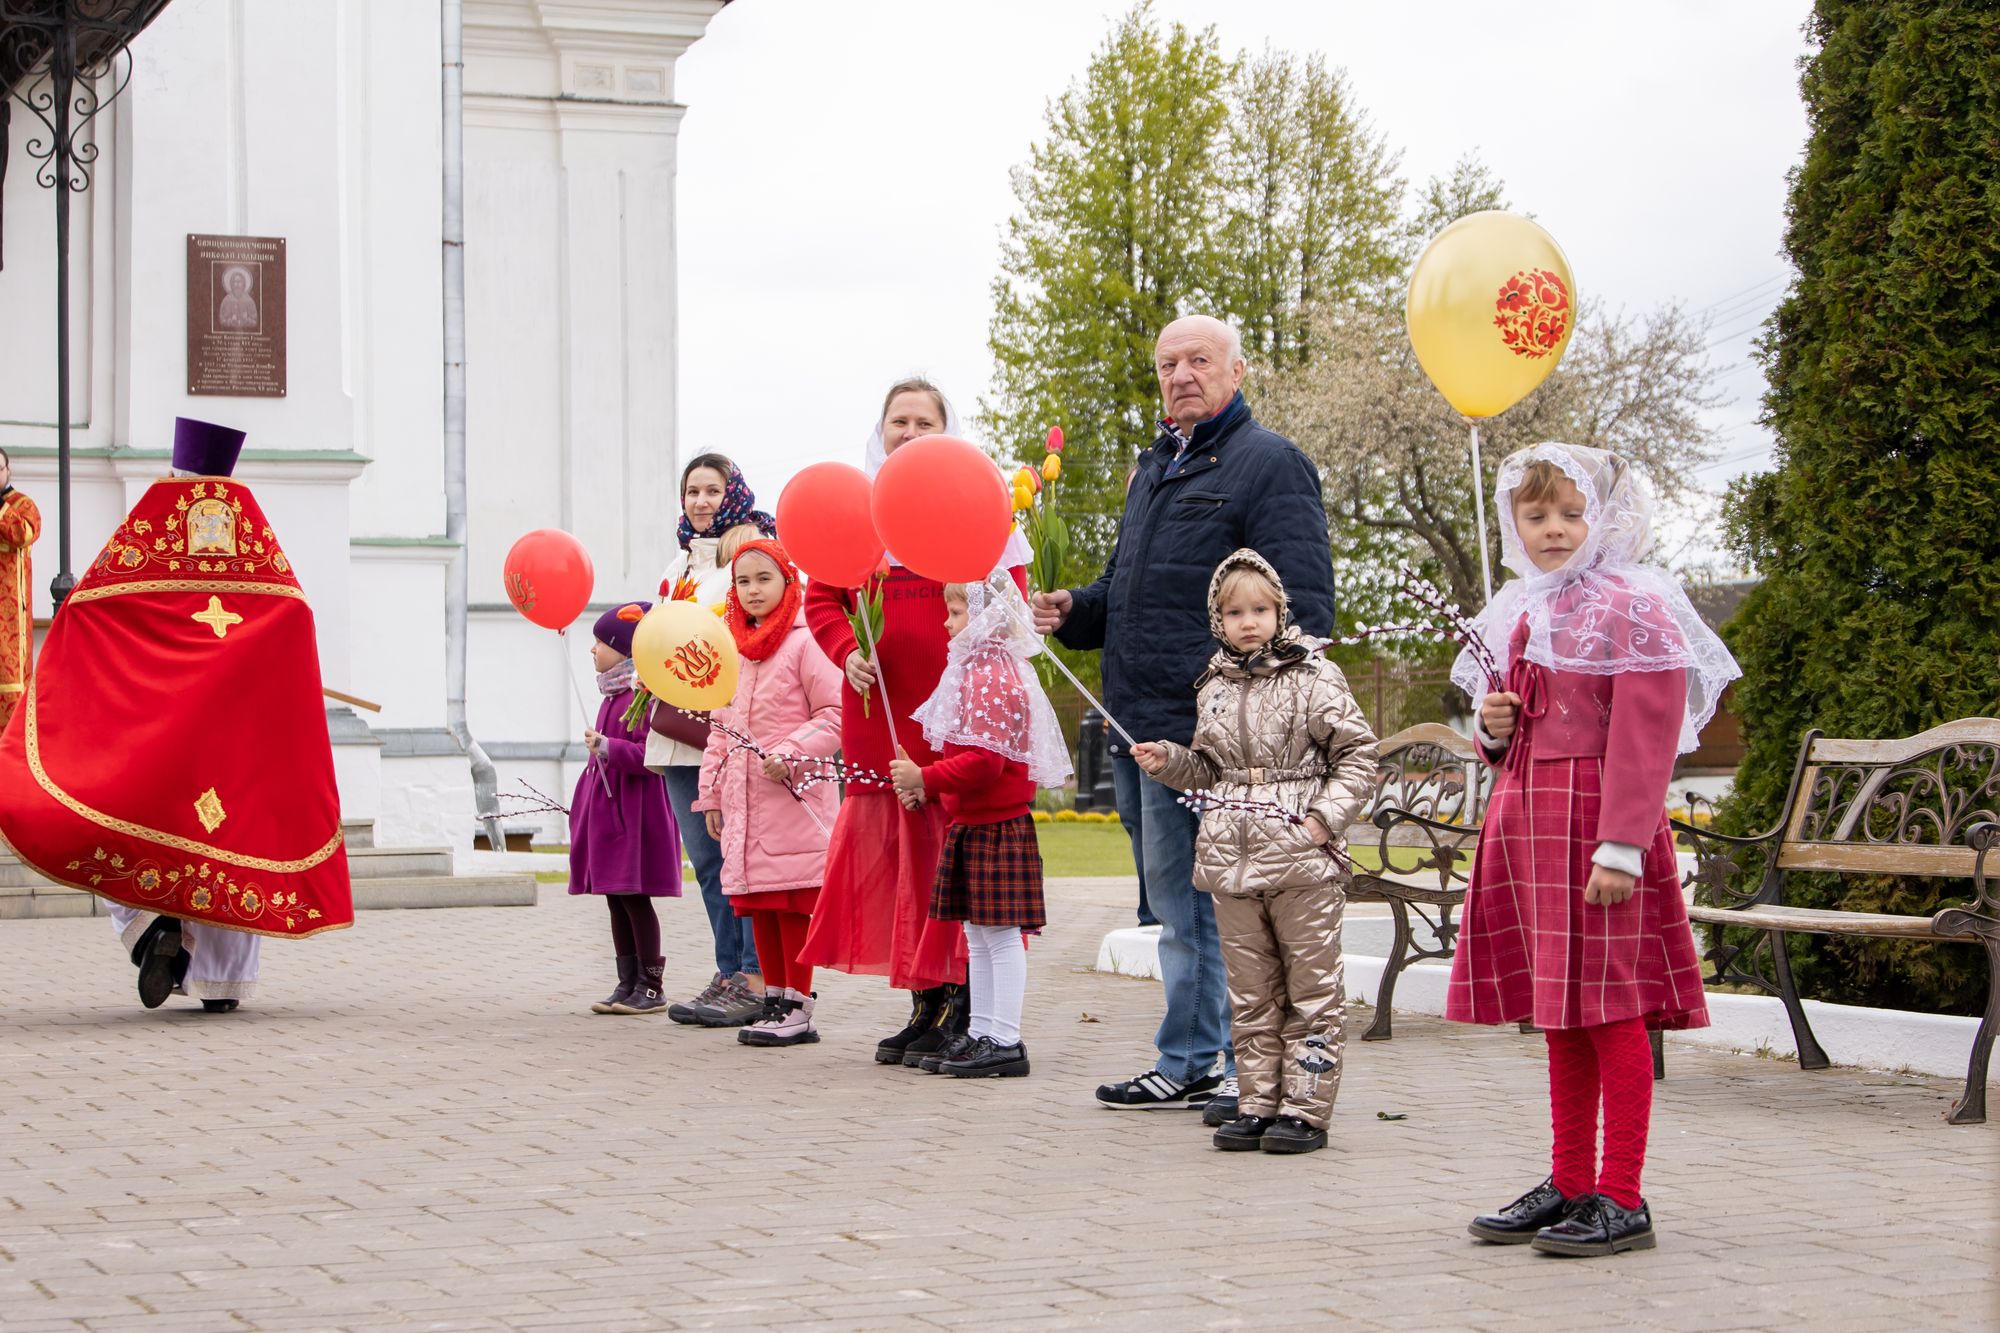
(236, 311)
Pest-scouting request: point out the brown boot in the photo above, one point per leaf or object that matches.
(628, 977)
(647, 997)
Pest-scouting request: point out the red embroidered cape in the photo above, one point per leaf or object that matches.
(171, 753)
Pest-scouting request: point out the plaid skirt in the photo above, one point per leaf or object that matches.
(1531, 948)
(990, 875)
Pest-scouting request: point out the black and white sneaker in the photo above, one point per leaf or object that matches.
(1221, 1108)
(1154, 1091)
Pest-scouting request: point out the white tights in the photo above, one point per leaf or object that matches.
(997, 971)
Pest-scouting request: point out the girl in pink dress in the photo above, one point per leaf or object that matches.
(1574, 918)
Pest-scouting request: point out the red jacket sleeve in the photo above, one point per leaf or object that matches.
(826, 616)
(1639, 753)
(964, 769)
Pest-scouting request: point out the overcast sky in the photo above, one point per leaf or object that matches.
(844, 175)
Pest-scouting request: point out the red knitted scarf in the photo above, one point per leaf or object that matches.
(758, 641)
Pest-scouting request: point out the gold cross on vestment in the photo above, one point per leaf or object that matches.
(216, 618)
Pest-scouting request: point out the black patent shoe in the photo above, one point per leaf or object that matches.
(218, 1006)
(1244, 1134)
(162, 961)
(1597, 1226)
(987, 1059)
(1517, 1223)
(954, 1048)
(1289, 1133)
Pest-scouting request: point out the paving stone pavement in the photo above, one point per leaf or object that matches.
(418, 1125)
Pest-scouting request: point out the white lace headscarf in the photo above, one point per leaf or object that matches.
(1016, 551)
(989, 695)
(1603, 611)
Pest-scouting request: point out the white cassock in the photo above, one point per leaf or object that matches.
(222, 964)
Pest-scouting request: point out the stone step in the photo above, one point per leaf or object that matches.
(392, 892)
(358, 832)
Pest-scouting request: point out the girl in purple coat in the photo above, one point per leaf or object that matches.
(1574, 917)
(622, 840)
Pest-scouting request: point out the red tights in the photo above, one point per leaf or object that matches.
(1610, 1066)
(780, 936)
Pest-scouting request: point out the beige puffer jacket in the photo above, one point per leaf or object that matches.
(1282, 727)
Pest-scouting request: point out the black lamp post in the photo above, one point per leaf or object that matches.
(56, 57)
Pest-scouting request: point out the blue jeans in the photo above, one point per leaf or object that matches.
(735, 950)
(1196, 1028)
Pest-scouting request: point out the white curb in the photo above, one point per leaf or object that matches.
(1891, 1039)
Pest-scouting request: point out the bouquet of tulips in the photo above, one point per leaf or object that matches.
(1035, 500)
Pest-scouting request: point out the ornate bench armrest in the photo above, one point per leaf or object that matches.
(1440, 850)
(1983, 837)
(1389, 816)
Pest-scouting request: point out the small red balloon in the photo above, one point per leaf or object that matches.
(549, 578)
(942, 509)
(824, 523)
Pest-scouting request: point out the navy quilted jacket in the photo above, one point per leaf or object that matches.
(1240, 485)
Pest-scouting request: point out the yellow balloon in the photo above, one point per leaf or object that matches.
(1491, 309)
(686, 656)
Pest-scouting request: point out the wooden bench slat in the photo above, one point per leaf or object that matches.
(1816, 921)
(1877, 858)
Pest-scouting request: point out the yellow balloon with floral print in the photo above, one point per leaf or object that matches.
(1491, 309)
(686, 656)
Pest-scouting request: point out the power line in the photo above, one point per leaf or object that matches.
(1736, 295)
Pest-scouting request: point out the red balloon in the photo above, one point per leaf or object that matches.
(824, 524)
(549, 577)
(942, 509)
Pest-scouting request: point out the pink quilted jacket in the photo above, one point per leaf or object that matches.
(790, 704)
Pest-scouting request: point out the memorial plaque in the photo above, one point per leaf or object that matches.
(236, 316)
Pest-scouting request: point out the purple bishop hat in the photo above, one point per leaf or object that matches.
(204, 448)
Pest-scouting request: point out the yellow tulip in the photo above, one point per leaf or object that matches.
(1025, 477)
(1023, 498)
(1052, 467)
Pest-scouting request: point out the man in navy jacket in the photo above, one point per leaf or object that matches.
(1214, 481)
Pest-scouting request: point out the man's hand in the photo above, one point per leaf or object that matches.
(1051, 610)
(1608, 887)
(713, 818)
(1497, 713)
(777, 769)
(907, 778)
(1150, 756)
(860, 672)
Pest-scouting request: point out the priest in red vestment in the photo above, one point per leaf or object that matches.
(171, 754)
(20, 524)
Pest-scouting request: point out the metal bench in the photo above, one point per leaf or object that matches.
(1423, 822)
(1921, 806)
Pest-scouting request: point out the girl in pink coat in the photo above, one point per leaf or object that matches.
(1574, 917)
(773, 836)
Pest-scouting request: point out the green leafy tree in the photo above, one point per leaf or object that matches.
(1878, 532)
(1172, 179)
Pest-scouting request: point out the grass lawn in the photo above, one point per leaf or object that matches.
(1068, 850)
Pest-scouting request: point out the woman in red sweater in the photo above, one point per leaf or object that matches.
(873, 912)
(999, 740)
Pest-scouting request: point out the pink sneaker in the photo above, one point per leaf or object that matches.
(788, 1023)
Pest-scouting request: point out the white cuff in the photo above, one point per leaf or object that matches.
(1486, 742)
(1623, 856)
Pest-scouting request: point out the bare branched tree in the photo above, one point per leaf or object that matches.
(1395, 456)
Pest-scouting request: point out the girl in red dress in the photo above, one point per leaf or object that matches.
(1574, 917)
(873, 914)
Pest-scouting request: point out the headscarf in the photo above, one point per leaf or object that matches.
(988, 696)
(1016, 552)
(762, 639)
(1603, 611)
(739, 505)
(1291, 644)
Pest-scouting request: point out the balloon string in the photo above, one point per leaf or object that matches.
(1479, 504)
(576, 691)
(881, 680)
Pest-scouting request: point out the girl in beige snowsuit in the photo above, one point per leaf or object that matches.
(1276, 724)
